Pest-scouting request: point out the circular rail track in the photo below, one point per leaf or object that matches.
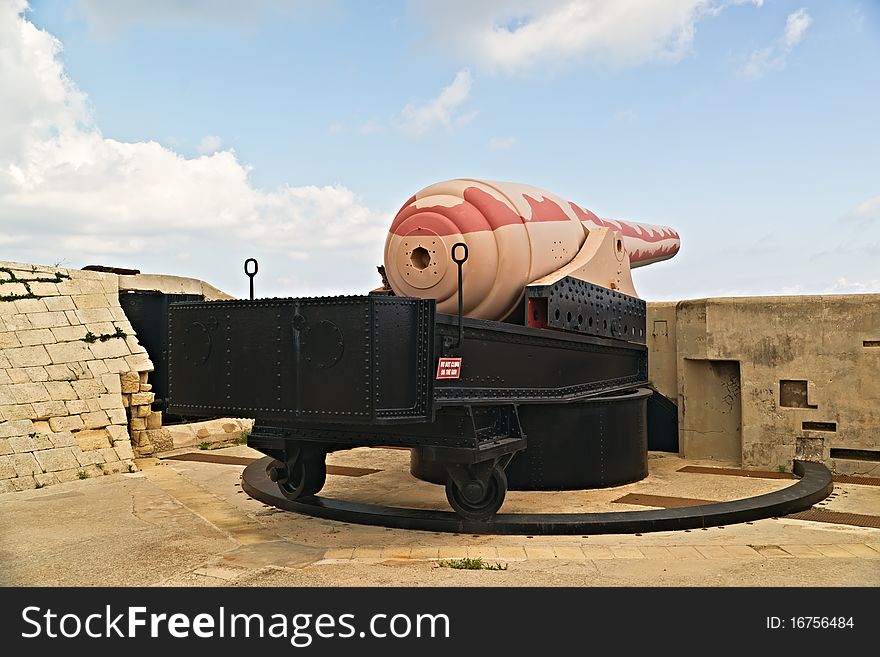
(814, 485)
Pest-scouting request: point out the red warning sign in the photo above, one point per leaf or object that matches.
(448, 368)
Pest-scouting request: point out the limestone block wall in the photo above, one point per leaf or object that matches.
(764, 380)
(147, 433)
(66, 350)
(223, 430)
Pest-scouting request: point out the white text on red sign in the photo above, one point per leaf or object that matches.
(449, 368)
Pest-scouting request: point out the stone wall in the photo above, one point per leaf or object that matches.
(66, 349)
(147, 433)
(764, 380)
(210, 432)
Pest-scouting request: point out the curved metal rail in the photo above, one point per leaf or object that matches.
(815, 484)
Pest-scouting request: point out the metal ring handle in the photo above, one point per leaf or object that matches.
(251, 274)
(460, 261)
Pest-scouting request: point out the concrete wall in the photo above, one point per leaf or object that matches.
(712, 392)
(171, 285)
(809, 378)
(662, 363)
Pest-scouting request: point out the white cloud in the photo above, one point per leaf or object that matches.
(511, 36)
(501, 143)
(845, 286)
(774, 56)
(110, 18)
(67, 191)
(868, 211)
(442, 111)
(209, 145)
(795, 27)
(758, 62)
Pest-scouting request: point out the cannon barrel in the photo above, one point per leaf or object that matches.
(515, 234)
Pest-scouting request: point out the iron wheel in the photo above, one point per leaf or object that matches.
(478, 501)
(304, 476)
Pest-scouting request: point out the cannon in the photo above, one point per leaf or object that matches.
(506, 349)
(516, 234)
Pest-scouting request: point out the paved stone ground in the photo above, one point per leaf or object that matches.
(189, 523)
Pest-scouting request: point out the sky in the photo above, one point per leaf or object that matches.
(184, 137)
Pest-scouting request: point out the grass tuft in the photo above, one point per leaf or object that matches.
(471, 564)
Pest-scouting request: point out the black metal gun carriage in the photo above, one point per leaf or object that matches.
(467, 395)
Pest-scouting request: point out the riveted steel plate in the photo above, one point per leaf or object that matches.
(574, 305)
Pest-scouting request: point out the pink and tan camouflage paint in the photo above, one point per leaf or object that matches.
(515, 234)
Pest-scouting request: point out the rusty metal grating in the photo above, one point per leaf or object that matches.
(211, 458)
(350, 471)
(838, 517)
(851, 479)
(660, 501)
(767, 474)
(737, 472)
(813, 515)
(223, 459)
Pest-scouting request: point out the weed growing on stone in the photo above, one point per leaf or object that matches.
(39, 485)
(103, 337)
(12, 278)
(205, 445)
(82, 474)
(118, 333)
(471, 564)
(17, 297)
